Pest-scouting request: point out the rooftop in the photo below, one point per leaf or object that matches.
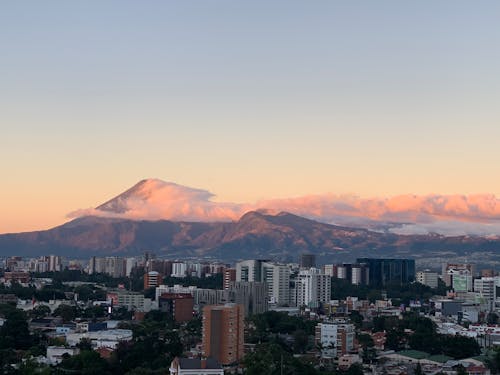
(196, 363)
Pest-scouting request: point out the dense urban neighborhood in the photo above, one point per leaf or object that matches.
(146, 315)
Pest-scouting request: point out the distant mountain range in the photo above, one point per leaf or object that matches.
(177, 221)
(256, 235)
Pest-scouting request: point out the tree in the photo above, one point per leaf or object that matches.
(40, 311)
(459, 347)
(395, 339)
(273, 359)
(85, 344)
(300, 341)
(365, 340)
(14, 333)
(356, 318)
(355, 369)
(66, 312)
(418, 369)
(94, 312)
(492, 318)
(87, 362)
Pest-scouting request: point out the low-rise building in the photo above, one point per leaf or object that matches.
(55, 353)
(108, 338)
(195, 366)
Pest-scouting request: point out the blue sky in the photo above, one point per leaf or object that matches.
(251, 100)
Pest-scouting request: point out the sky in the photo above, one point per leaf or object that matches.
(251, 100)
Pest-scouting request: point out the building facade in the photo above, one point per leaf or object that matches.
(223, 330)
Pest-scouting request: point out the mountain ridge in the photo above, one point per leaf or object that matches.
(283, 237)
(456, 214)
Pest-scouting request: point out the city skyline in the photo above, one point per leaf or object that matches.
(253, 102)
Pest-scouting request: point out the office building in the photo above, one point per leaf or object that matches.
(389, 271)
(251, 295)
(307, 260)
(223, 329)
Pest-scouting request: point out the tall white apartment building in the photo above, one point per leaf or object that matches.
(130, 263)
(275, 275)
(277, 278)
(115, 266)
(313, 288)
(179, 269)
(250, 270)
(55, 263)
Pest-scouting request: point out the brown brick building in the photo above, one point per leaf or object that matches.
(223, 329)
(178, 305)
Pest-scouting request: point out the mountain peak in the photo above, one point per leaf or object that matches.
(155, 199)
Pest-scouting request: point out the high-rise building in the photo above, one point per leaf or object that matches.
(115, 266)
(428, 277)
(359, 274)
(275, 275)
(277, 278)
(229, 277)
(330, 270)
(179, 269)
(54, 263)
(313, 288)
(223, 329)
(97, 265)
(307, 260)
(250, 270)
(130, 263)
(251, 295)
(152, 279)
(387, 271)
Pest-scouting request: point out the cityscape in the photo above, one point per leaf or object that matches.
(269, 187)
(379, 315)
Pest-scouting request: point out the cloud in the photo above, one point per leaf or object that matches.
(447, 214)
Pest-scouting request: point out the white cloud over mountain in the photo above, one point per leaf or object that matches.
(154, 199)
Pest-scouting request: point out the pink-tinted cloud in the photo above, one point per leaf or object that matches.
(448, 214)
